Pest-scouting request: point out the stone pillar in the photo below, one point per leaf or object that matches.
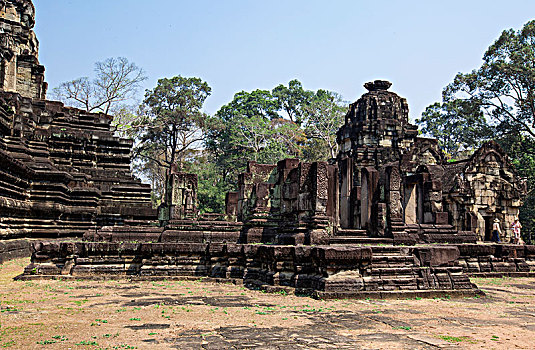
(181, 202)
(183, 196)
(231, 205)
(346, 182)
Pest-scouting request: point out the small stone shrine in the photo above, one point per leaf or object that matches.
(181, 196)
(370, 223)
(396, 184)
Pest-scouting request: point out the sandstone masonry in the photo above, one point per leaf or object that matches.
(369, 223)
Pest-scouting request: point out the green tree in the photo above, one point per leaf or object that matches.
(293, 100)
(324, 115)
(250, 128)
(258, 103)
(173, 123)
(264, 126)
(504, 86)
(496, 99)
(212, 188)
(459, 126)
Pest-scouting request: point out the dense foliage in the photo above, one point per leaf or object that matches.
(261, 125)
(172, 126)
(267, 126)
(495, 101)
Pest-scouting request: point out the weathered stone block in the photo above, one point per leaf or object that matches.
(437, 256)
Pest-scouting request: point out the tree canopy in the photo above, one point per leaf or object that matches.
(116, 80)
(495, 101)
(267, 126)
(173, 123)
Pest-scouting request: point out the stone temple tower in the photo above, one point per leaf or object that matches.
(20, 70)
(376, 132)
(376, 126)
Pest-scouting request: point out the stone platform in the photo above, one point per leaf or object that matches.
(211, 249)
(14, 249)
(337, 271)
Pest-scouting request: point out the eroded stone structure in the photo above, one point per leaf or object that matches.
(181, 195)
(20, 70)
(63, 171)
(292, 202)
(483, 188)
(306, 227)
(396, 184)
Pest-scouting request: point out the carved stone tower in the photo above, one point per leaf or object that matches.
(376, 126)
(20, 70)
(376, 132)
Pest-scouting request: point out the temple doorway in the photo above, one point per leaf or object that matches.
(488, 227)
(411, 204)
(364, 203)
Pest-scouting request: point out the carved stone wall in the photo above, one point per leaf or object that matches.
(483, 188)
(291, 202)
(398, 185)
(20, 70)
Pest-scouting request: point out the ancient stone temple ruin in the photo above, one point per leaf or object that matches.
(63, 171)
(387, 185)
(371, 223)
(396, 184)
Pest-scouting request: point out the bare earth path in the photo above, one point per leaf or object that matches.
(202, 315)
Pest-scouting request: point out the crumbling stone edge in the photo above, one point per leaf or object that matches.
(326, 272)
(14, 249)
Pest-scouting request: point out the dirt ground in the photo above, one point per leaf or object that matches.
(201, 315)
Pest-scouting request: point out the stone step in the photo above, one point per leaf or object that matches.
(391, 282)
(391, 260)
(196, 225)
(380, 249)
(138, 222)
(395, 271)
(188, 230)
(351, 232)
(212, 217)
(448, 269)
(359, 240)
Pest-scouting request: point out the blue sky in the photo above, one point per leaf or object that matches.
(245, 45)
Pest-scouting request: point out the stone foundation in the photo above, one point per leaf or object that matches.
(497, 260)
(322, 271)
(14, 249)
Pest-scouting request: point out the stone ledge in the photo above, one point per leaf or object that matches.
(14, 249)
(321, 271)
(501, 274)
(401, 294)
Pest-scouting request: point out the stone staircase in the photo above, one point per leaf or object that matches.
(402, 269)
(200, 231)
(356, 236)
(399, 272)
(392, 268)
